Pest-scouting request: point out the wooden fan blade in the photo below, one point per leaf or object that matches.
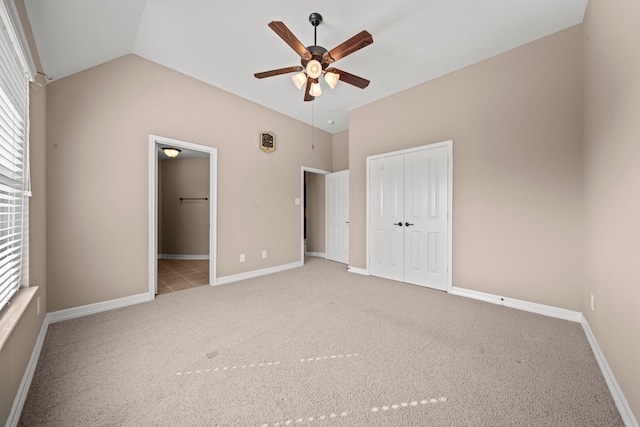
(357, 42)
(288, 37)
(279, 71)
(307, 95)
(352, 79)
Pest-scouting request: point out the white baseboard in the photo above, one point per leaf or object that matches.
(176, 256)
(546, 310)
(618, 396)
(356, 270)
(316, 254)
(25, 384)
(85, 310)
(257, 273)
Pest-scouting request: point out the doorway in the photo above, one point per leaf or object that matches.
(312, 213)
(188, 201)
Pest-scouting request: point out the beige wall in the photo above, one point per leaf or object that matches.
(185, 224)
(340, 151)
(612, 186)
(315, 212)
(98, 127)
(515, 120)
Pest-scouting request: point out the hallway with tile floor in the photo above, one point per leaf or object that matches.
(178, 274)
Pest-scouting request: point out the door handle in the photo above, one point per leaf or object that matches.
(398, 223)
(346, 222)
(407, 224)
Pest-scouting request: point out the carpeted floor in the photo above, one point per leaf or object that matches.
(317, 346)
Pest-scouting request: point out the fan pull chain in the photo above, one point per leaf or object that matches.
(313, 127)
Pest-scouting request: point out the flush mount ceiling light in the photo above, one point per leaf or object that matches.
(316, 59)
(171, 152)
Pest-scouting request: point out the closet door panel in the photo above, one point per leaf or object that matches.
(386, 212)
(416, 216)
(426, 215)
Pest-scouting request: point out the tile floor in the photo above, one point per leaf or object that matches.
(178, 274)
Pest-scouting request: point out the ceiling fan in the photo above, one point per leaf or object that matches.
(316, 60)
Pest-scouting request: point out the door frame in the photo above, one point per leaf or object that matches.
(449, 145)
(304, 169)
(154, 142)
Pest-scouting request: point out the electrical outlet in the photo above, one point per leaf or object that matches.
(593, 302)
(38, 306)
(264, 254)
(242, 259)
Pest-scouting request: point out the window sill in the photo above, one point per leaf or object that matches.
(12, 314)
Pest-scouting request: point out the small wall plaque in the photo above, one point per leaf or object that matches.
(267, 142)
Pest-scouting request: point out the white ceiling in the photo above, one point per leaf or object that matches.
(224, 42)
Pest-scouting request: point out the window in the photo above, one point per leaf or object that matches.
(14, 170)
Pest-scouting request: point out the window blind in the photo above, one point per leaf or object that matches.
(14, 129)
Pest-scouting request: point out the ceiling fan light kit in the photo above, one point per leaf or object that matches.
(331, 79)
(315, 60)
(314, 68)
(299, 79)
(315, 89)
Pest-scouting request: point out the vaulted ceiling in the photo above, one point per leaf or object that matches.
(224, 42)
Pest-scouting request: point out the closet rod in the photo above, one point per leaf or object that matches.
(193, 198)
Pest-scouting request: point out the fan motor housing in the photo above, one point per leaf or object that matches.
(316, 53)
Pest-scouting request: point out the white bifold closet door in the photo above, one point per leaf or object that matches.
(408, 217)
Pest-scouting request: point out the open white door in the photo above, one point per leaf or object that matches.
(337, 216)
